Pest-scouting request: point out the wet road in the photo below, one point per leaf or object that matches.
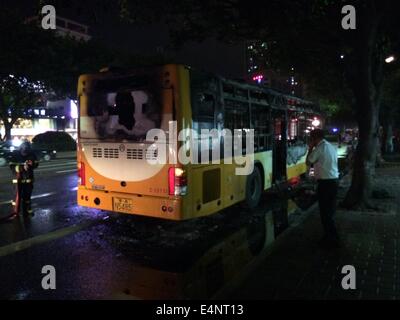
(100, 255)
(53, 201)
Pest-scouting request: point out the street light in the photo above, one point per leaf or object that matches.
(389, 59)
(315, 122)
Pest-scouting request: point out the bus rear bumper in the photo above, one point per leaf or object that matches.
(159, 207)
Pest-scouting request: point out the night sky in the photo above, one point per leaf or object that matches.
(106, 26)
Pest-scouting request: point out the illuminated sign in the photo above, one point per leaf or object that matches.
(73, 110)
(258, 78)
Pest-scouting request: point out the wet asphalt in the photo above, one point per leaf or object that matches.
(103, 255)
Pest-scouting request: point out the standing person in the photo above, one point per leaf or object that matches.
(22, 164)
(323, 156)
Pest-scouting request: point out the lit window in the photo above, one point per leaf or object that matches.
(73, 109)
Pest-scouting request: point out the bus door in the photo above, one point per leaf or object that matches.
(279, 145)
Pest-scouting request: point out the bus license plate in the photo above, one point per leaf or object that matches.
(123, 205)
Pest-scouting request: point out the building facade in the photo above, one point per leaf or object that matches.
(259, 69)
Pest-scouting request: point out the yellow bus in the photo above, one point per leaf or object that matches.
(119, 162)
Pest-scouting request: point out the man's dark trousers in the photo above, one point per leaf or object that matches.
(23, 198)
(327, 193)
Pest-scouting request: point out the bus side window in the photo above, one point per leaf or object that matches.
(237, 118)
(203, 99)
(260, 118)
(297, 129)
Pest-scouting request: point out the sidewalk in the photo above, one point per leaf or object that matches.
(297, 268)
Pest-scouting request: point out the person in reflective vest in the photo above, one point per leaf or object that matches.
(22, 164)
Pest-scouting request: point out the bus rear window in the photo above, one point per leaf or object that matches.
(121, 108)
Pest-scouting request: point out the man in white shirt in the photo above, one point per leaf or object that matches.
(323, 156)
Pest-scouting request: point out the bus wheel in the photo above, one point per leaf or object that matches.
(253, 189)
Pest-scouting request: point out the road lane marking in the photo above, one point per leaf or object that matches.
(48, 165)
(53, 235)
(64, 171)
(47, 168)
(55, 163)
(53, 169)
(43, 195)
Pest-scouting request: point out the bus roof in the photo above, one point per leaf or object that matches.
(292, 101)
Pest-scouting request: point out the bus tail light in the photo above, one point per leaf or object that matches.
(177, 182)
(81, 173)
(294, 181)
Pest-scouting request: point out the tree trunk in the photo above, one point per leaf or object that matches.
(7, 129)
(364, 161)
(365, 75)
(379, 148)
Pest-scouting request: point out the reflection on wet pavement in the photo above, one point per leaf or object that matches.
(133, 257)
(186, 263)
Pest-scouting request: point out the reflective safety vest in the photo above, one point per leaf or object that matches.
(22, 181)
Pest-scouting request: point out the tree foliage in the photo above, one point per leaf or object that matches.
(35, 63)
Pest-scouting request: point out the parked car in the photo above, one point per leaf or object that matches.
(7, 149)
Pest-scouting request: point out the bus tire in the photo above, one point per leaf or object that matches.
(253, 189)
